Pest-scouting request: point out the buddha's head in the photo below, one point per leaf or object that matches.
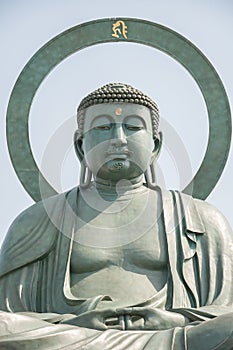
(117, 136)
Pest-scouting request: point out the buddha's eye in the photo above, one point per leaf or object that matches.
(103, 127)
(134, 123)
(133, 127)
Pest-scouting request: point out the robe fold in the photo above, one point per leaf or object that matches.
(35, 280)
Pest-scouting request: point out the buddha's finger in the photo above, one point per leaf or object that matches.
(140, 311)
(133, 311)
(128, 322)
(107, 313)
(134, 323)
(124, 311)
(115, 323)
(112, 321)
(121, 321)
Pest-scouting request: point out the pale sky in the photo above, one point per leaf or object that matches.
(28, 25)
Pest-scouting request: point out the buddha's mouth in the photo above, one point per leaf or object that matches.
(118, 159)
(119, 153)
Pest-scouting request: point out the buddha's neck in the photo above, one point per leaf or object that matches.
(118, 189)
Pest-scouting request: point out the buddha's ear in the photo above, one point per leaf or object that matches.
(158, 145)
(78, 145)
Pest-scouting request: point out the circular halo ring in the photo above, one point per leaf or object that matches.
(97, 32)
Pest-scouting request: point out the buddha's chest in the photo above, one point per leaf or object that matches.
(130, 238)
(139, 246)
(147, 252)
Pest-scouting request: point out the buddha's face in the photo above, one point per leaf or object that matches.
(118, 141)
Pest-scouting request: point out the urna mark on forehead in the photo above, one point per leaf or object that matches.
(118, 93)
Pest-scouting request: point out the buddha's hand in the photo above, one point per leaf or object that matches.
(97, 319)
(147, 318)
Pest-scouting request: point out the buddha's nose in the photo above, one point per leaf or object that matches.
(119, 138)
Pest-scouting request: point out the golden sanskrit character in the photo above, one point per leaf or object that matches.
(119, 28)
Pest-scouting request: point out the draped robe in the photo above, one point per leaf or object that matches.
(35, 280)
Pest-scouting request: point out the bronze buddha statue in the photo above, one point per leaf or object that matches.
(117, 263)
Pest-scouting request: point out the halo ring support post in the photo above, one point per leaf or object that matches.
(115, 30)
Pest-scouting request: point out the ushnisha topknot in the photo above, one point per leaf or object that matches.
(118, 93)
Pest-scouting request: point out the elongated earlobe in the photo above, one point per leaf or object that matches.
(85, 176)
(150, 176)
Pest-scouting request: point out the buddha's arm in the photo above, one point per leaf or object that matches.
(215, 266)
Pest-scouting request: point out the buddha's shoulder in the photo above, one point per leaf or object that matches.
(29, 217)
(33, 232)
(209, 213)
(44, 209)
(214, 222)
(37, 213)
